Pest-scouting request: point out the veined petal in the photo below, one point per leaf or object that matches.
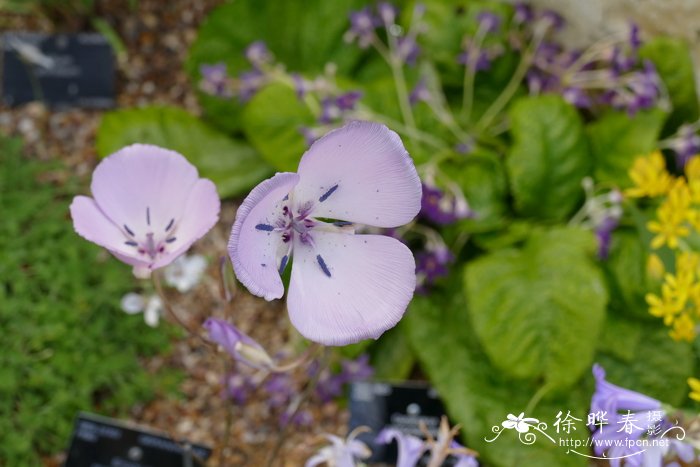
(360, 173)
(92, 224)
(199, 214)
(254, 249)
(346, 288)
(143, 186)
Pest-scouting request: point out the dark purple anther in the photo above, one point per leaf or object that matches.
(128, 230)
(283, 264)
(170, 224)
(131, 243)
(322, 263)
(328, 193)
(148, 216)
(171, 239)
(265, 227)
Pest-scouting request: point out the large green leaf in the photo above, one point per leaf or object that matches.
(616, 139)
(549, 157)
(477, 395)
(392, 356)
(654, 365)
(302, 34)
(673, 60)
(538, 310)
(233, 165)
(272, 122)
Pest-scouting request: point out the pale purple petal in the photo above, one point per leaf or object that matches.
(346, 288)
(360, 173)
(256, 249)
(228, 336)
(410, 447)
(91, 224)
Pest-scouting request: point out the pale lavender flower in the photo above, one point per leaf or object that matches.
(685, 144)
(489, 21)
(237, 344)
(149, 206)
(215, 80)
(411, 448)
(250, 83)
(360, 173)
(362, 26)
(387, 12)
(258, 54)
(419, 93)
(341, 452)
(462, 460)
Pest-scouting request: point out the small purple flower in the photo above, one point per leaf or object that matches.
(443, 208)
(250, 83)
(237, 344)
(357, 370)
(604, 236)
(685, 144)
(554, 19)
(360, 173)
(419, 93)
(407, 50)
(479, 59)
(523, 13)
(348, 100)
(634, 39)
(215, 80)
(301, 86)
(330, 111)
(362, 26)
(258, 54)
(238, 387)
(577, 97)
(387, 12)
(330, 386)
(280, 389)
(489, 21)
(464, 147)
(148, 207)
(303, 418)
(411, 448)
(430, 266)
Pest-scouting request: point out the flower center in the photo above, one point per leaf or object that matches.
(150, 244)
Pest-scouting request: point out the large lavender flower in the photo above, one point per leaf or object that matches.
(344, 287)
(149, 207)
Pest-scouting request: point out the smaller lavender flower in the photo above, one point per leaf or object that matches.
(604, 236)
(489, 21)
(258, 54)
(685, 144)
(280, 389)
(387, 12)
(341, 452)
(419, 93)
(443, 208)
(362, 26)
(250, 82)
(348, 100)
(215, 81)
(611, 398)
(411, 448)
(523, 13)
(238, 387)
(407, 50)
(357, 370)
(237, 344)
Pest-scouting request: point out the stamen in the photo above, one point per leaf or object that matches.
(150, 246)
(128, 230)
(265, 227)
(342, 223)
(171, 239)
(328, 193)
(322, 263)
(131, 243)
(283, 264)
(170, 224)
(286, 237)
(148, 215)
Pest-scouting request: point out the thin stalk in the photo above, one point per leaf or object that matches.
(470, 73)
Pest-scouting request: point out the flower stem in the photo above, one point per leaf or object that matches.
(470, 73)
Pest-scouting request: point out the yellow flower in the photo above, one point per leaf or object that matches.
(668, 229)
(649, 176)
(683, 329)
(694, 384)
(655, 268)
(666, 306)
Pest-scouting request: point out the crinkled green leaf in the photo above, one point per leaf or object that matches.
(272, 122)
(538, 310)
(303, 35)
(616, 139)
(232, 165)
(549, 157)
(674, 63)
(477, 395)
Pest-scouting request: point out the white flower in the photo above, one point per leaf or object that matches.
(152, 307)
(185, 272)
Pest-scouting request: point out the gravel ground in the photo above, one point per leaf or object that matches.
(157, 35)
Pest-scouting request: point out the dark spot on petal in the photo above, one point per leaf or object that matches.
(148, 216)
(171, 239)
(328, 193)
(170, 224)
(322, 263)
(131, 243)
(128, 230)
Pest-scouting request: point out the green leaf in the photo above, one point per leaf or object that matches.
(549, 157)
(673, 60)
(272, 122)
(620, 336)
(656, 365)
(482, 178)
(537, 311)
(477, 395)
(616, 139)
(234, 166)
(303, 35)
(392, 356)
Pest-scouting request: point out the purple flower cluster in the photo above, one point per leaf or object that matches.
(606, 75)
(431, 264)
(215, 80)
(443, 207)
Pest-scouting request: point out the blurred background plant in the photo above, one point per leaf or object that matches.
(534, 255)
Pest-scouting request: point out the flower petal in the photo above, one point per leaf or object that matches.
(143, 186)
(346, 288)
(91, 224)
(360, 173)
(254, 251)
